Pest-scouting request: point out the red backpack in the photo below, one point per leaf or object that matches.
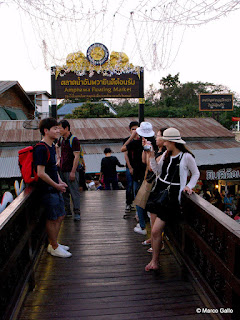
(26, 164)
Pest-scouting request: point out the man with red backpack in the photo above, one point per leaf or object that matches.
(68, 161)
(50, 186)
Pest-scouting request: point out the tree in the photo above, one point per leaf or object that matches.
(89, 110)
(179, 100)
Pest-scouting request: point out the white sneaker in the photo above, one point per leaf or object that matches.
(66, 248)
(59, 252)
(140, 230)
(128, 208)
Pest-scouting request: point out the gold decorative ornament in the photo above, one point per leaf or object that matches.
(97, 61)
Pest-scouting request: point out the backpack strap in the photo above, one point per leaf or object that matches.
(43, 144)
(61, 140)
(71, 140)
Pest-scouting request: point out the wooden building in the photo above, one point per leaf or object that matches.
(15, 104)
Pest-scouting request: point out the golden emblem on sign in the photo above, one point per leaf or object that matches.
(97, 54)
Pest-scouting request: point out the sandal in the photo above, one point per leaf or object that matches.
(145, 243)
(163, 246)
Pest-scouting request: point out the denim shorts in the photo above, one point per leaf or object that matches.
(54, 205)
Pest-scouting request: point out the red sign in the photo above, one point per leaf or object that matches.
(235, 119)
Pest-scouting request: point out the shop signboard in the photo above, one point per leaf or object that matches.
(216, 102)
(221, 174)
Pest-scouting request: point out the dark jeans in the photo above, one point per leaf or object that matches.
(111, 180)
(129, 188)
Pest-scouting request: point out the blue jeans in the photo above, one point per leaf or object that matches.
(140, 211)
(129, 188)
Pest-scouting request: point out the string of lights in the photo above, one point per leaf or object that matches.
(150, 32)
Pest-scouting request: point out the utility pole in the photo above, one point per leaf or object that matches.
(54, 98)
(141, 98)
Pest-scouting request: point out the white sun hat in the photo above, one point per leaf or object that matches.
(173, 135)
(145, 130)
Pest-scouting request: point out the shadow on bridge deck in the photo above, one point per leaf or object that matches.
(105, 277)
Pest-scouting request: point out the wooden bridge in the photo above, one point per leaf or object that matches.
(105, 277)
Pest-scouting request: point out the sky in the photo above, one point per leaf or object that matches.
(208, 53)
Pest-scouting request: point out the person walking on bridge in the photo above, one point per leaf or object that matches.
(108, 170)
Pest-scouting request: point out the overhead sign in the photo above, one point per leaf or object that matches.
(97, 75)
(215, 102)
(72, 86)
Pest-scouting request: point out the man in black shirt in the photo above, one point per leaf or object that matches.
(134, 146)
(50, 186)
(108, 170)
(129, 171)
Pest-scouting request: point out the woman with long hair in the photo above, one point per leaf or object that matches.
(172, 169)
(145, 158)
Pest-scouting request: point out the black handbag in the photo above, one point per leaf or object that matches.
(162, 198)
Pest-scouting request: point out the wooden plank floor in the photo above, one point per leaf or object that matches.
(105, 277)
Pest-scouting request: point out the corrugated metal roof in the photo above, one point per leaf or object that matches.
(5, 85)
(218, 144)
(217, 156)
(9, 168)
(117, 129)
(208, 157)
(97, 148)
(9, 165)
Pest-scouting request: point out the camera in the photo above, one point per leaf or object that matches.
(147, 147)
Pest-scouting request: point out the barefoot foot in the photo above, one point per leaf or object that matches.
(152, 266)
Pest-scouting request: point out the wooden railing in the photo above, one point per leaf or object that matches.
(22, 235)
(209, 243)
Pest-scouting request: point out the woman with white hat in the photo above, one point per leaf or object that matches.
(172, 171)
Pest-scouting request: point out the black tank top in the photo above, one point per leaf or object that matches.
(169, 171)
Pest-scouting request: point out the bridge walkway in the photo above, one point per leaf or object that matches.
(105, 277)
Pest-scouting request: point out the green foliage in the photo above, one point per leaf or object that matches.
(178, 100)
(90, 110)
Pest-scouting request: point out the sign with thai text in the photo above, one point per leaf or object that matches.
(223, 174)
(215, 102)
(72, 86)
